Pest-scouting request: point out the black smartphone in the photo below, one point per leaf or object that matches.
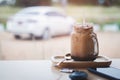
(110, 73)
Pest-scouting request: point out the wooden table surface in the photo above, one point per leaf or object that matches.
(39, 70)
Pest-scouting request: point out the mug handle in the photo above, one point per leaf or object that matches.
(96, 46)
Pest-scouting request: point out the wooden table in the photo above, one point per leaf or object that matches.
(39, 70)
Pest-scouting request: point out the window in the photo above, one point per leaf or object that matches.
(55, 14)
(32, 13)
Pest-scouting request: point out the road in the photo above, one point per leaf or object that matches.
(12, 49)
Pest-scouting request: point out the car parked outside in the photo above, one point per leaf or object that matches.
(39, 21)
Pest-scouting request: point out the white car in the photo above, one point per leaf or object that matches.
(39, 21)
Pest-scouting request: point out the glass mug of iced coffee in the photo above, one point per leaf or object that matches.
(84, 43)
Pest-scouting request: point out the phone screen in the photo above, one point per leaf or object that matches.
(110, 72)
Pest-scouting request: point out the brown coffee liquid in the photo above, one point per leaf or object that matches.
(84, 45)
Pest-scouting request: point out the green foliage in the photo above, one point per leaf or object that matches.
(25, 3)
(116, 2)
(6, 12)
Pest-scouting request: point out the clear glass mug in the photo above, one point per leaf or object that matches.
(84, 43)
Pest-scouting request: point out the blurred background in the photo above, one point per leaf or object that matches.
(105, 14)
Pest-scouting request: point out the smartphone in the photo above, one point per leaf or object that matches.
(110, 73)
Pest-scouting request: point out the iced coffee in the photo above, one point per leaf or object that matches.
(84, 43)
